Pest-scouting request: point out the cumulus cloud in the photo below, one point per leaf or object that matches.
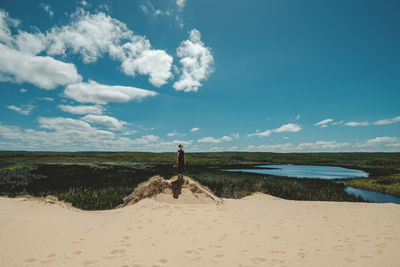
(210, 139)
(19, 62)
(289, 127)
(195, 129)
(44, 72)
(93, 92)
(108, 121)
(25, 110)
(196, 63)
(93, 35)
(82, 109)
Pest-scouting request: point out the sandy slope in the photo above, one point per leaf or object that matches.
(259, 230)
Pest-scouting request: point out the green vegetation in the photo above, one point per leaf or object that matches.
(100, 180)
(386, 184)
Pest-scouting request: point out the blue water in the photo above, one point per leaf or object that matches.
(324, 172)
(306, 171)
(372, 196)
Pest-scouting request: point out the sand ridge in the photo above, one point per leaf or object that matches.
(258, 230)
(174, 190)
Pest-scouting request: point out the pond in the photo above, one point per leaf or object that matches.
(306, 171)
(324, 172)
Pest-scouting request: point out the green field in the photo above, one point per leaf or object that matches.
(100, 180)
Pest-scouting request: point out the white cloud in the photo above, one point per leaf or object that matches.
(5, 23)
(357, 123)
(175, 133)
(22, 90)
(155, 63)
(195, 129)
(50, 99)
(323, 123)
(31, 43)
(108, 121)
(25, 110)
(196, 63)
(378, 122)
(47, 8)
(387, 121)
(60, 123)
(82, 109)
(260, 134)
(61, 134)
(210, 139)
(302, 147)
(44, 72)
(289, 127)
(382, 140)
(180, 3)
(93, 92)
(93, 35)
(322, 145)
(146, 139)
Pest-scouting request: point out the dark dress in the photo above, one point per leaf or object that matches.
(181, 161)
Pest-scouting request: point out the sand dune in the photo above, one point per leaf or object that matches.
(197, 230)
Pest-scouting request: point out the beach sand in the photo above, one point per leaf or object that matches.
(258, 230)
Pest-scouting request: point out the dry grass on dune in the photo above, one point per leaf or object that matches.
(174, 187)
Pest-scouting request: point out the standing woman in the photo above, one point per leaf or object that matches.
(180, 161)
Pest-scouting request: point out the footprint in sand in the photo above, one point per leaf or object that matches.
(189, 251)
(278, 251)
(126, 237)
(29, 260)
(349, 260)
(117, 251)
(258, 260)
(163, 261)
(89, 262)
(301, 254)
(78, 252)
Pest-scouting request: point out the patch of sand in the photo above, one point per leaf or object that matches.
(197, 230)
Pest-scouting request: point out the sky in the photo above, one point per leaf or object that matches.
(147, 75)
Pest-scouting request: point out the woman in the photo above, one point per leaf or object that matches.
(180, 161)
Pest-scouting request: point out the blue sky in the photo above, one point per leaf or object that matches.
(146, 75)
